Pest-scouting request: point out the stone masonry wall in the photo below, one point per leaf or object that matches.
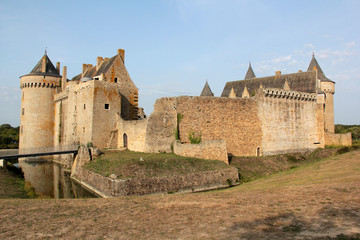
(135, 131)
(234, 120)
(289, 121)
(338, 139)
(211, 149)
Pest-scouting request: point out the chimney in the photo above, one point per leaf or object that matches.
(58, 67)
(98, 62)
(85, 66)
(300, 71)
(277, 73)
(64, 79)
(89, 66)
(43, 66)
(121, 53)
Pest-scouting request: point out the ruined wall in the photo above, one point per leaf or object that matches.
(135, 134)
(37, 111)
(289, 121)
(211, 149)
(338, 139)
(234, 120)
(161, 126)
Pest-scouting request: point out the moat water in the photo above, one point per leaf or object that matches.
(50, 179)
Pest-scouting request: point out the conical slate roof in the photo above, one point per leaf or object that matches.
(321, 74)
(250, 73)
(207, 91)
(50, 70)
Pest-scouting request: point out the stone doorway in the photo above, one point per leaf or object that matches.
(125, 140)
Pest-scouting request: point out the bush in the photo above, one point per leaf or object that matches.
(194, 138)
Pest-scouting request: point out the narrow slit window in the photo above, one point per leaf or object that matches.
(115, 80)
(107, 106)
(84, 106)
(23, 111)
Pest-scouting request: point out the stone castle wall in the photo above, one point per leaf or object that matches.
(233, 120)
(289, 121)
(135, 134)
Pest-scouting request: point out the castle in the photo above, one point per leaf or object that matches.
(253, 117)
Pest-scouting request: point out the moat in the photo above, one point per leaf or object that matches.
(50, 179)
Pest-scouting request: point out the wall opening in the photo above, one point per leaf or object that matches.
(115, 80)
(258, 152)
(23, 111)
(107, 106)
(125, 140)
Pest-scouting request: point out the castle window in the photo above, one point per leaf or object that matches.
(258, 152)
(84, 106)
(115, 80)
(83, 129)
(22, 111)
(96, 78)
(21, 129)
(107, 106)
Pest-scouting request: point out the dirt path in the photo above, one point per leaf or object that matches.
(321, 200)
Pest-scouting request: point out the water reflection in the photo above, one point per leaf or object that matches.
(50, 179)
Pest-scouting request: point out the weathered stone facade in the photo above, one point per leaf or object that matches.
(256, 116)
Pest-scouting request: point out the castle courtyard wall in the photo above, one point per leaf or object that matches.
(135, 134)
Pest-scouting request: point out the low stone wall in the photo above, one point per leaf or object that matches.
(192, 182)
(338, 139)
(211, 149)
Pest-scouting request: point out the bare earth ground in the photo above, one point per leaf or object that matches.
(317, 201)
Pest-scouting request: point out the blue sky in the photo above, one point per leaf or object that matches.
(173, 46)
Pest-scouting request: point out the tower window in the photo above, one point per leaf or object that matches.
(21, 129)
(115, 80)
(22, 111)
(84, 106)
(107, 106)
(83, 129)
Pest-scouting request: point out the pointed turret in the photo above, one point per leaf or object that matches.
(250, 73)
(45, 68)
(206, 92)
(286, 86)
(315, 65)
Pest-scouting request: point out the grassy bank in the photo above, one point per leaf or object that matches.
(251, 168)
(127, 164)
(12, 185)
(320, 200)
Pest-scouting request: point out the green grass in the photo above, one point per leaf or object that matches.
(128, 164)
(252, 168)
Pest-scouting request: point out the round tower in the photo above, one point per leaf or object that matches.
(327, 86)
(37, 105)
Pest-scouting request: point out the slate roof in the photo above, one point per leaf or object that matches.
(207, 91)
(321, 74)
(50, 70)
(250, 73)
(302, 81)
(92, 72)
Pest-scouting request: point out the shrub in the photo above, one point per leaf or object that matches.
(194, 138)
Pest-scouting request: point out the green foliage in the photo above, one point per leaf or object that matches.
(89, 144)
(9, 136)
(179, 117)
(194, 138)
(354, 129)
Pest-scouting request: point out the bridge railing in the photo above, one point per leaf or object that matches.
(51, 149)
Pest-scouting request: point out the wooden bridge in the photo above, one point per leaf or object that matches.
(35, 152)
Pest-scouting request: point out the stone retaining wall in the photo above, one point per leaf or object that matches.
(191, 182)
